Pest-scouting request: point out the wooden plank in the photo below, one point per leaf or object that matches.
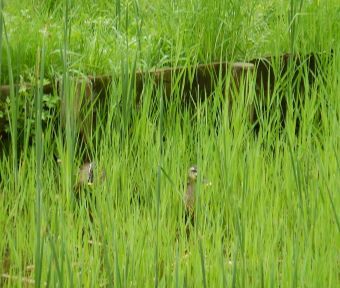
(197, 81)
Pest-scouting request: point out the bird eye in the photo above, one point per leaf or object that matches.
(193, 169)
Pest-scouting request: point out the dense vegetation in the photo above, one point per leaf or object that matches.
(270, 217)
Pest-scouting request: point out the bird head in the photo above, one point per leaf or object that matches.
(192, 174)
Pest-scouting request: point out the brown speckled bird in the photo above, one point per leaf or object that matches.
(83, 188)
(85, 174)
(189, 197)
(88, 174)
(190, 194)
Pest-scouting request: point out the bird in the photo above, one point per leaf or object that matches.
(86, 174)
(85, 178)
(83, 189)
(189, 196)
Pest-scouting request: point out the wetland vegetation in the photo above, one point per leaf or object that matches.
(270, 217)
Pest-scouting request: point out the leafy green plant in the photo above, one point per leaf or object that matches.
(269, 218)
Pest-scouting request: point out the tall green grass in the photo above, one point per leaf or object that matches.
(270, 217)
(197, 30)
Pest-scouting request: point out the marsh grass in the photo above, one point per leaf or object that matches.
(269, 219)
